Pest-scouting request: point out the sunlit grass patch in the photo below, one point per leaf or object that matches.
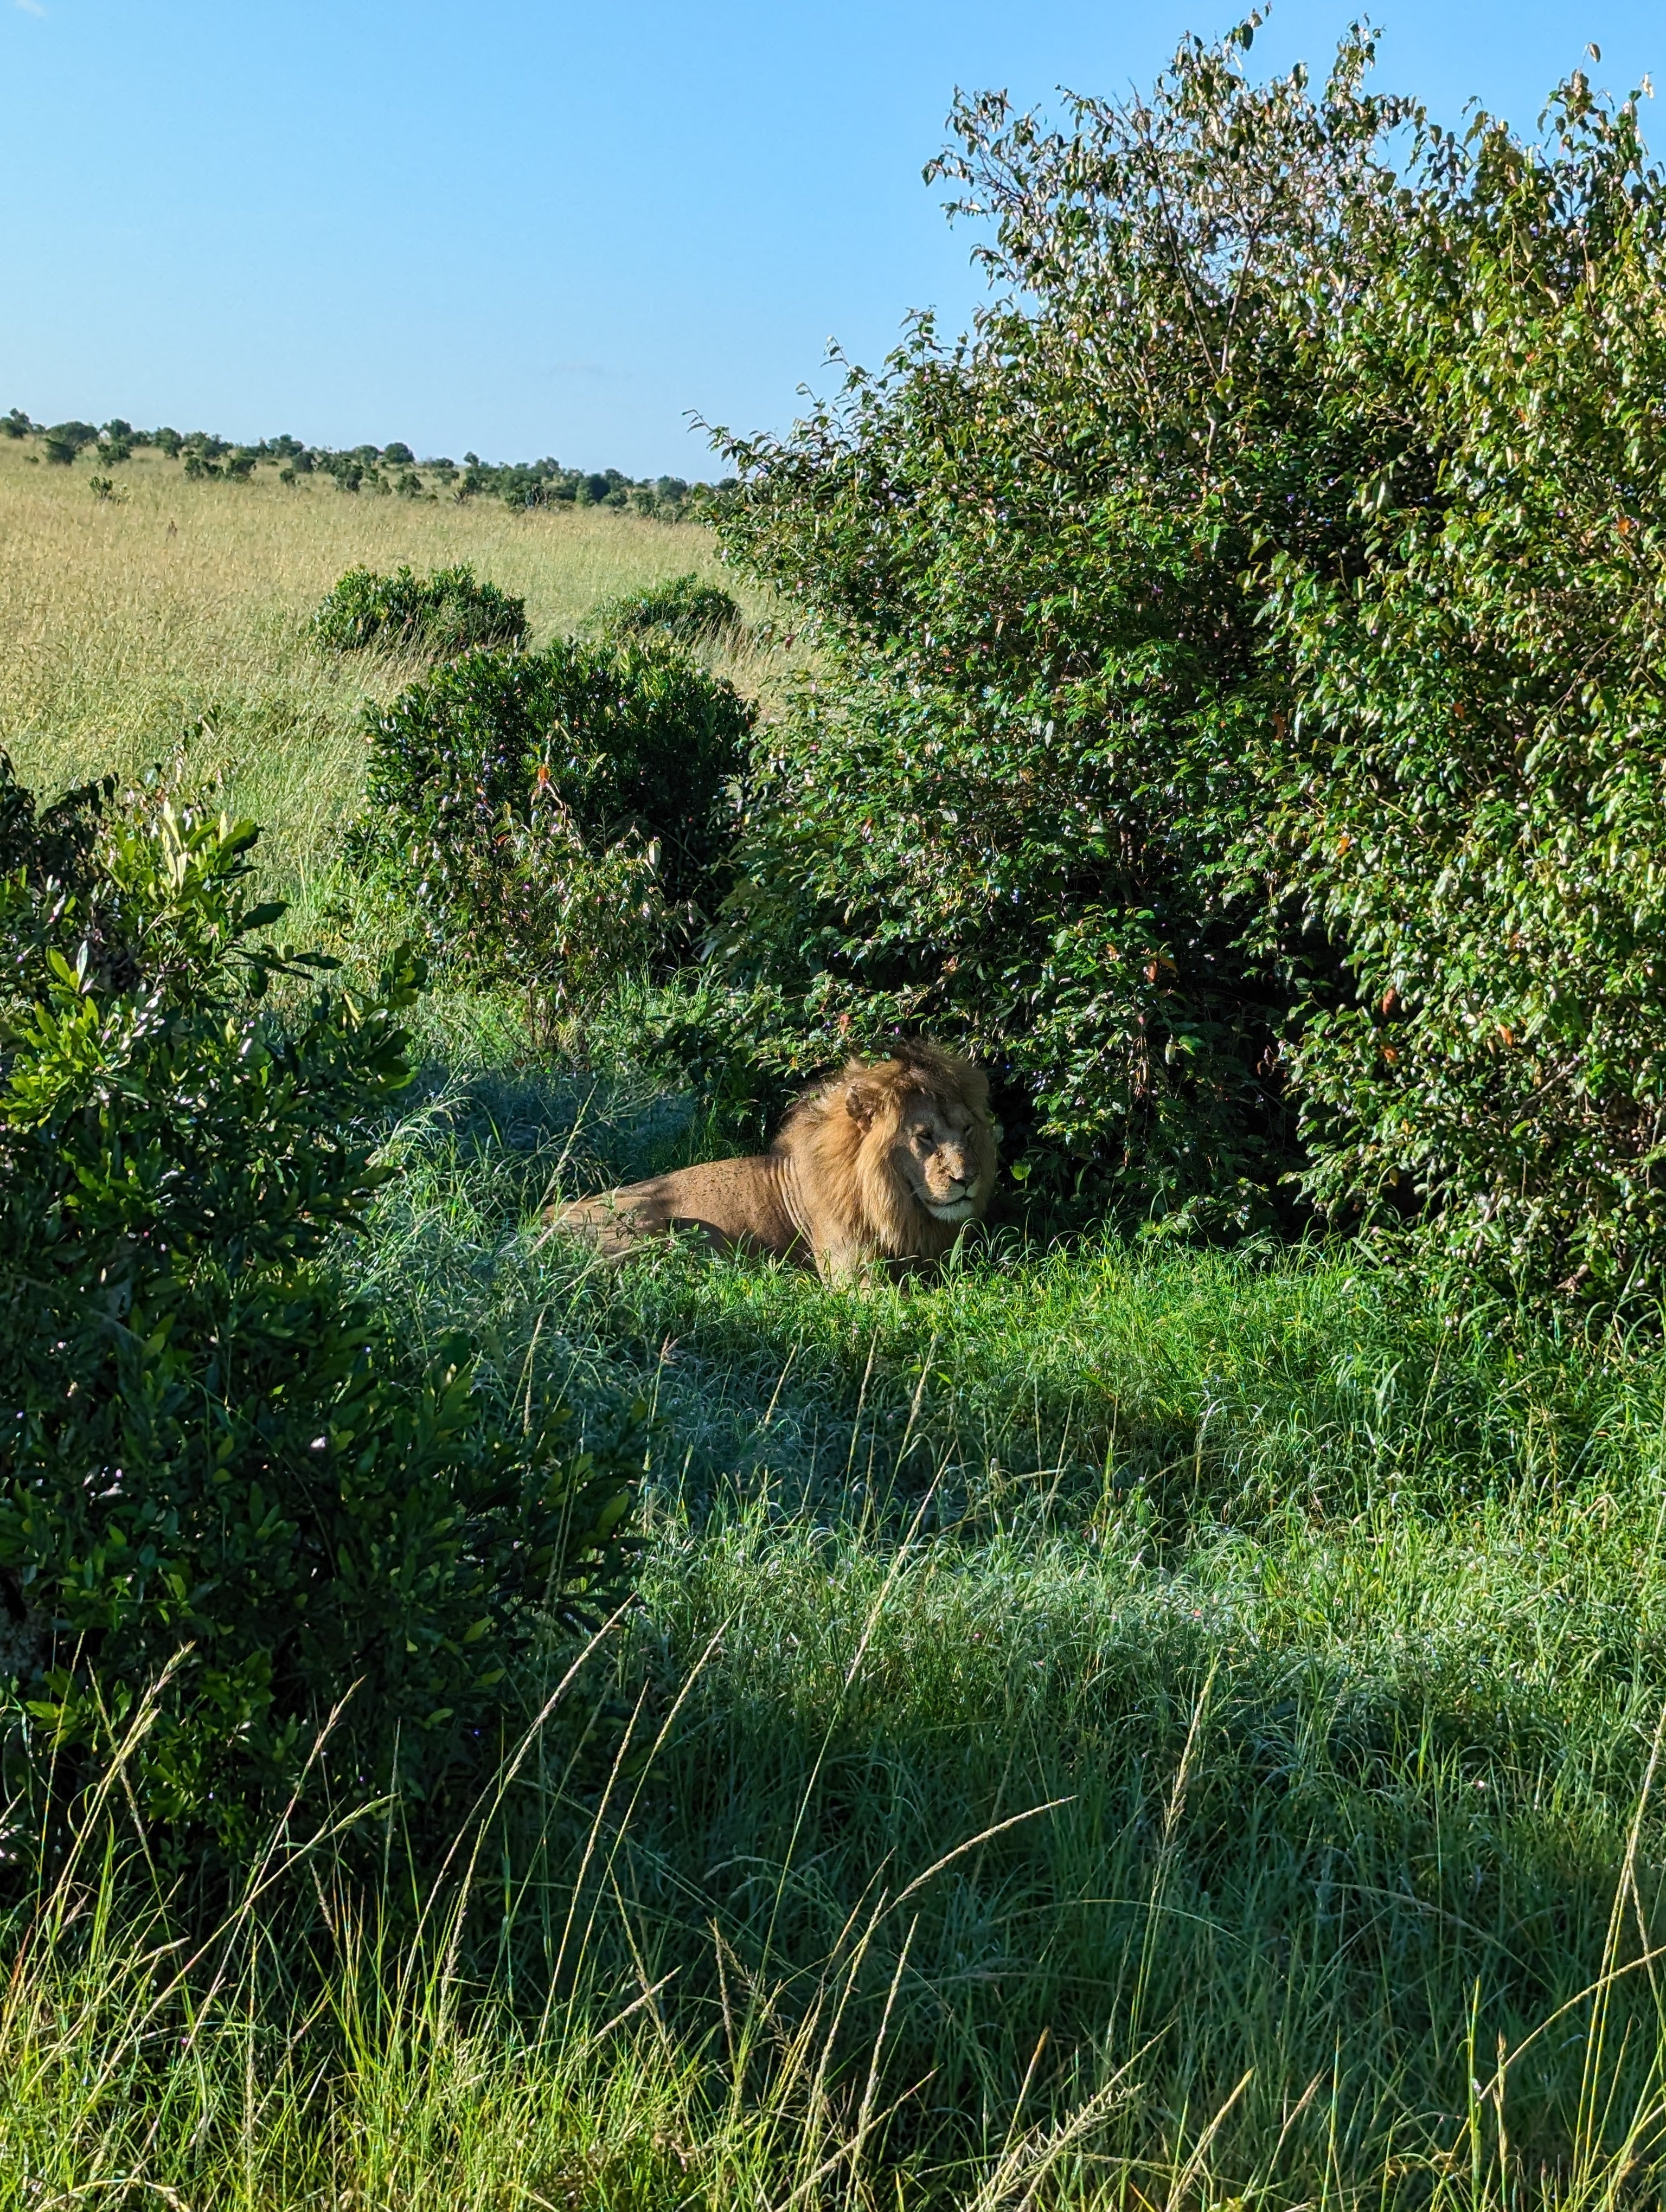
(177, 614)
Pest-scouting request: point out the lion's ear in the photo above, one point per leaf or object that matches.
(861, 1101)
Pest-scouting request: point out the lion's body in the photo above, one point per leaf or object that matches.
(881, 1163)
(740, 1206)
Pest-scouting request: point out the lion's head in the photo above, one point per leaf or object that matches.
(895, 1157)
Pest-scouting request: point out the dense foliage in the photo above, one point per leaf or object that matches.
(1258, 614)
(1468, 793)
(64, 441)
(444, 614)
(562, 816)
(225, 1488)
(1027, 557)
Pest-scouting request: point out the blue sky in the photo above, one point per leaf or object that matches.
(534, 226)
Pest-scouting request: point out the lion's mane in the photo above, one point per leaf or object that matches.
(843, 1136)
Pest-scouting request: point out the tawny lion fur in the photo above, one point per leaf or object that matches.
(879, 1164)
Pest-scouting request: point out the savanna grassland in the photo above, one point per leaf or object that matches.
(168, 618)
(1166, 1712)
(1117, 1726)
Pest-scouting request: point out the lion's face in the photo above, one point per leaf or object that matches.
(944, 1153)
(890, 1160)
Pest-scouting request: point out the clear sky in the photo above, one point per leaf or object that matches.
(529, 227)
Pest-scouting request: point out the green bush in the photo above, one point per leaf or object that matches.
(1241, 706)
(994, 880)
(684, 610)
(998, 812)
(1467, 793)
(444, 614)
(556, 816)
(224, 1484)
(73, 435)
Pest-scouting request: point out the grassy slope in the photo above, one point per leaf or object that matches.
(176, 614)
(1327, 1624)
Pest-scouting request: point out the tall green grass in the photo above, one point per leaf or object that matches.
(1109, 1728)
(1112, 1726)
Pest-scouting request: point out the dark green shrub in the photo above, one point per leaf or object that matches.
(1467, 792)
(996, 881)
(684, 610)
(216, 1459)
(17, 424)
(64, 440)
(212, 461)
(558, 815)
(1004, 810)
(444, 614)
(1243, 703)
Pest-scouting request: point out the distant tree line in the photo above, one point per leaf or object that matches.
(387, 469)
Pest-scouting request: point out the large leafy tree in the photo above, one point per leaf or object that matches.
(1240, 710)
(1031, 556)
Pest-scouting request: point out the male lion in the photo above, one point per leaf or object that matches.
(878, 1164)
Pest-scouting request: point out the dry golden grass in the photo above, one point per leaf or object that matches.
(175, 615)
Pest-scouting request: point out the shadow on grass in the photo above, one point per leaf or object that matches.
(1207, 1387)
(1103, 1821)
(1326, 1622)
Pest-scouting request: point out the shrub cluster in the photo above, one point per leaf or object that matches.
(561, 816)
(1242, 708)
(225, 1487)
(444, 614)
(684, 611)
